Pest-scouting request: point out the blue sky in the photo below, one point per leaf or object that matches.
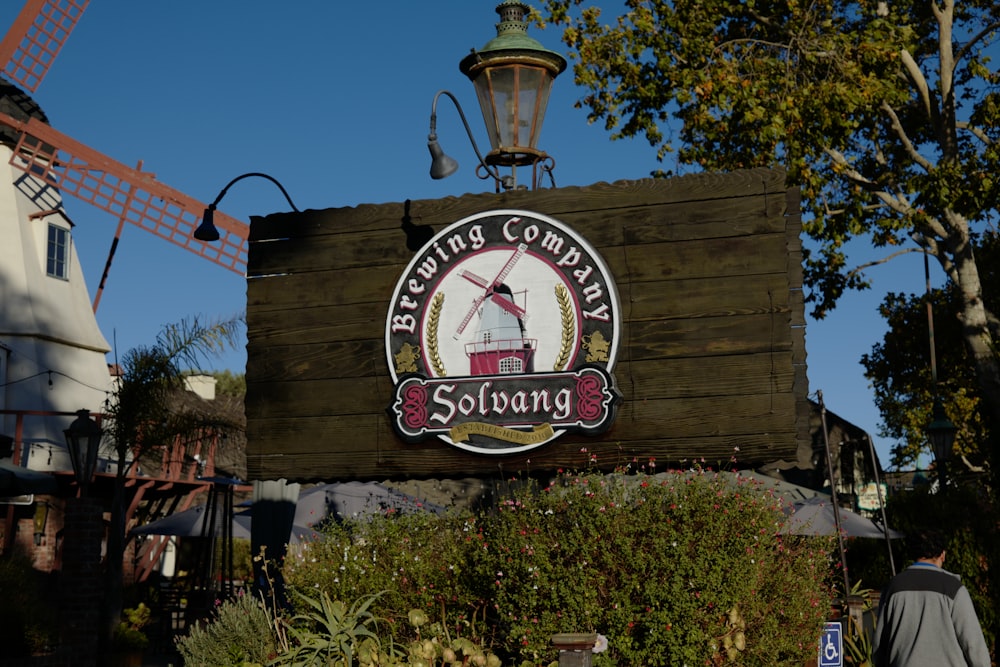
(333, 100)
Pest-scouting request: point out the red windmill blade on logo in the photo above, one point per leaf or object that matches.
(509, 306)
(489, 287)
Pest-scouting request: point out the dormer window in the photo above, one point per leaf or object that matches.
(57, 253)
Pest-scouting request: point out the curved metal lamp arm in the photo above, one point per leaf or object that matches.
(248, 175)
(207, 230)
(432, 136)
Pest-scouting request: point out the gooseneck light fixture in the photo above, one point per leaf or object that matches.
(442, 165)
(207, 231)
(83, 440)
(513, 77)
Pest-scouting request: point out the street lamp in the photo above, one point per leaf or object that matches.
(941, 432)
(513, 77)
(83, 439)
(207, 231)
(83, 532)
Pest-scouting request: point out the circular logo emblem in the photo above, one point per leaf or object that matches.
(502, 334)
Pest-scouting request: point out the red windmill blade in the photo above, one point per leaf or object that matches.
(134, 196)
(27, 52)
(505, 271)
(468, 316)
(474, 279)
(36, 37)
(489, 287)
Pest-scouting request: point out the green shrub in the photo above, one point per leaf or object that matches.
(674, 568)
(27, 617)
(129, 634)
(240, 632)
(329, 632)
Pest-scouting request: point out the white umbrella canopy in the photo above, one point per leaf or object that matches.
(818, 516)
(339, 501)
(335, 501)
(192, 523)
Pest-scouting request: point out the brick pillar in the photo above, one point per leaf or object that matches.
(82, 590)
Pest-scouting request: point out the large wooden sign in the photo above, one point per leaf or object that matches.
(625, 323)
(472, 367)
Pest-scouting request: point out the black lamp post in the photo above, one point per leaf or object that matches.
(941, 432)
(81, 583)
(513, 77)
(83, 439)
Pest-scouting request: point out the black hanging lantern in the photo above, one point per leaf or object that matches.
(83, 439)
(941, 432)
(513, 76)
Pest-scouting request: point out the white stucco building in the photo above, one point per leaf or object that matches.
(52, 352)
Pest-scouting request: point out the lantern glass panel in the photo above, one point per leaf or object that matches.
(513, 99)
(533, 95)
(485, 91)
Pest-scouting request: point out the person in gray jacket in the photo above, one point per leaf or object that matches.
(925, 615)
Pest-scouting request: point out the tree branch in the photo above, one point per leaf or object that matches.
(975, 131)
(897, 127)
(917, 77)
(897, 203)
(960, 55)
(860, 268)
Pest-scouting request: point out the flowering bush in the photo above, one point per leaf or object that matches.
(673, 569)
(676, 568)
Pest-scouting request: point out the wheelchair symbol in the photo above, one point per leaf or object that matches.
(831, 646)
(830, 651)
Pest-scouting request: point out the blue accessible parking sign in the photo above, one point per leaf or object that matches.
(831, 646)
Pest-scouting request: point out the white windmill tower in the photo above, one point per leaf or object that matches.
(52, 352)
(500, 346)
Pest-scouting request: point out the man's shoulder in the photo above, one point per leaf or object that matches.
(925, 580)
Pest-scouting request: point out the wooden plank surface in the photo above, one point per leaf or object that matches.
(712, 356)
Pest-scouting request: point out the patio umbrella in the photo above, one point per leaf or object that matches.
(338, 501)
(20, 481)
(816, 516)
(191, 523)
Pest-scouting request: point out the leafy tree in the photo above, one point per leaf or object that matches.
(901, 376)
(230, 384)
(884, 113)
(142, 417)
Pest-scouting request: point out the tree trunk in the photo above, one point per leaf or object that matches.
(979, 342)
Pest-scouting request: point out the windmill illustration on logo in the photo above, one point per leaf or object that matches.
(500, 346)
